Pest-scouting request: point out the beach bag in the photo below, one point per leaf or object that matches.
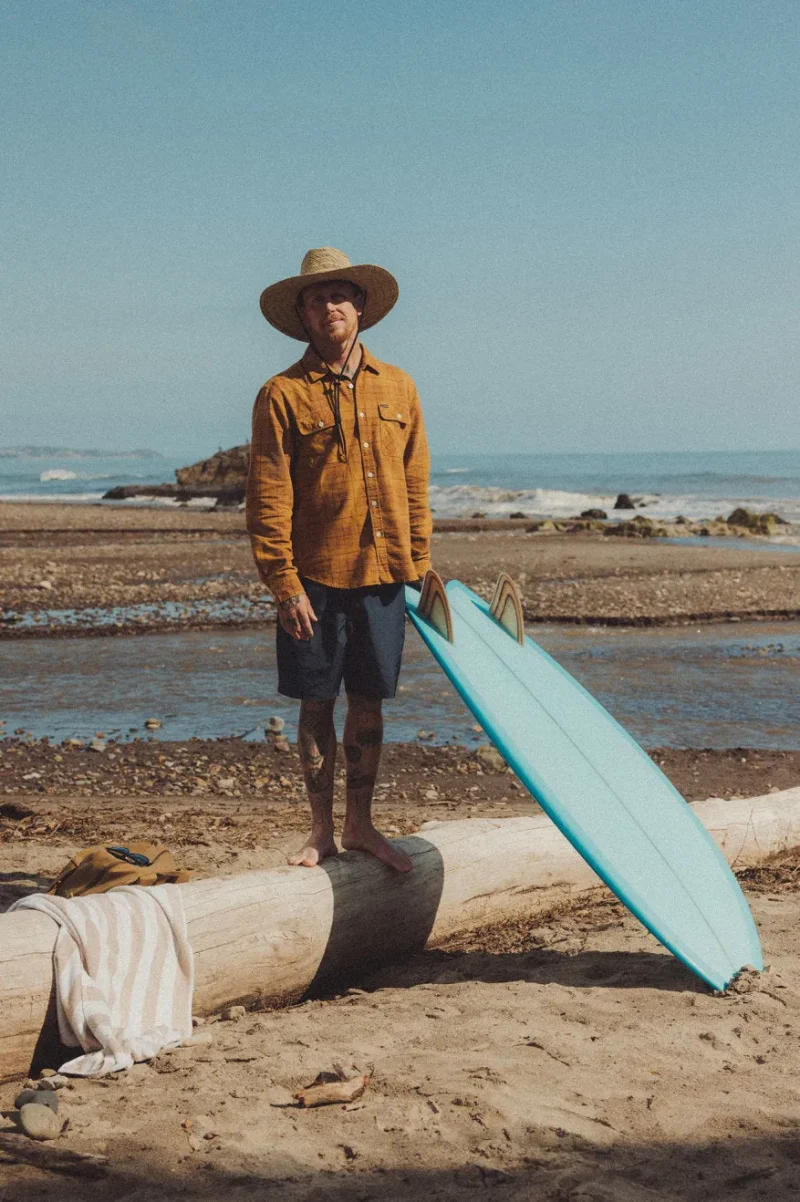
(98, 869)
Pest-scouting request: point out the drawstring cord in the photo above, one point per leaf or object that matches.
(334, 395)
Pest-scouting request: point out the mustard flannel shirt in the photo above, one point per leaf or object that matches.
(345, 522)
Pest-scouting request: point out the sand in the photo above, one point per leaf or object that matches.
(571, 1060)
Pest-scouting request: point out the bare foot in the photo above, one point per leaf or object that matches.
(372, 841)
(317, 848)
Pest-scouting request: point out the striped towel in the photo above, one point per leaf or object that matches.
(124, 974)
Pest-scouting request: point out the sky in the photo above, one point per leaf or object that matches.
(591, 207)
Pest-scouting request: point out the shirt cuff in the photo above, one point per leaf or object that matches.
(284, 586)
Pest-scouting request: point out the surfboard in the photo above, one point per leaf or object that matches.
(590, 776)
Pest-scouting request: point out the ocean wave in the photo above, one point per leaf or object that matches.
(62, 473)
(464, 500)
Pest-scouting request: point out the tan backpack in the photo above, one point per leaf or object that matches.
(98, 869)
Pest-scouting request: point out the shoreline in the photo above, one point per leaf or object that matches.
(69, 561)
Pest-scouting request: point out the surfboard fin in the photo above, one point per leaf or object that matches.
(434, 606)
(506, 607)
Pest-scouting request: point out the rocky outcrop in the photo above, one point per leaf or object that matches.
(227, 470)
(756, 523)
(638, 527)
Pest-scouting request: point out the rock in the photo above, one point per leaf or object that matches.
(75, 744)
(39, 1122)
(198, 1039)
(225, 470)
(514, 516)
(431, 795)
(623, 501)
(756, 523)
(478, 515)
(598, 515)
(96, 745)
(45, 584)
(638, 527)
(490, 757)
(152, 724)
(234, 1014)
(281, 743)
(37, 1097)
(275, 724)
(53, 1080)
(546, 526)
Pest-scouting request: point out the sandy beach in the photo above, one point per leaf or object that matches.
(574, 1059)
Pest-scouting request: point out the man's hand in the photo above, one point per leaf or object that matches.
(296, 615)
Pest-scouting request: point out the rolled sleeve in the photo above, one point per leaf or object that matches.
(270, 495)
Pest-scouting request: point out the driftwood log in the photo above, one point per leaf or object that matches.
(267, 938)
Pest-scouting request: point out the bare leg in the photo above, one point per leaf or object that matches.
(316, 740)
(363, 741)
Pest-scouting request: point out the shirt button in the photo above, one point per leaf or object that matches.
(320, 423)
(350, 386)
(361, 413)
(399, 415)
(366, 444)
(374, 502)
(377, 534)
(370, 475)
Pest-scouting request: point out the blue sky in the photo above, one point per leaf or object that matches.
(591, 207)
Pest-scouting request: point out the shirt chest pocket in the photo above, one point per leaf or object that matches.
(317, 438)
(394, 428)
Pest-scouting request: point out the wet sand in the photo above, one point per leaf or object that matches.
(197, 567)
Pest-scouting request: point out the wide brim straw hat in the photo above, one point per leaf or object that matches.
(279, 301)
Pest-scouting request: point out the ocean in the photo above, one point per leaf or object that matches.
(697, 484)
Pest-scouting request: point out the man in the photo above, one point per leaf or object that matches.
(338, 516)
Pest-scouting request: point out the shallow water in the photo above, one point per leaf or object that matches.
(731, 685)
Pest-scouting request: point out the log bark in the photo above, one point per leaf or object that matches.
(267, 938)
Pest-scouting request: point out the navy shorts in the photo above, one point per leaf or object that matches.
(358, 638)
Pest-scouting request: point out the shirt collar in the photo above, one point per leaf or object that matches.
(316, 370)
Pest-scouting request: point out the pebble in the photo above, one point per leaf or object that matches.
(37, 1097)
(53, 1080)
(152, 723)
(275, 724)
(234, 1013)
(97, 745)
(198, 1039)
(39, 1122)
(490, 757)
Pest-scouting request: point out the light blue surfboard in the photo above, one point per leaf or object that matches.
(599, 787)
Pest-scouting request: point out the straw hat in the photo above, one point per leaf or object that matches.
(278, 302)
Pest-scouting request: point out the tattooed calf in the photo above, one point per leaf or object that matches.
(352, 753)
(371, 736)
(360, 782)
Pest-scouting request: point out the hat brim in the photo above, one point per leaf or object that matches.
(279, 301)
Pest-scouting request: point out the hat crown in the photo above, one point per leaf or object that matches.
(323, 258)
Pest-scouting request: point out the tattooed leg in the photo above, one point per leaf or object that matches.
(363, 742)
(316, 740)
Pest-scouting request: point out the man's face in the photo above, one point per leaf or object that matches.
(330, 311)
